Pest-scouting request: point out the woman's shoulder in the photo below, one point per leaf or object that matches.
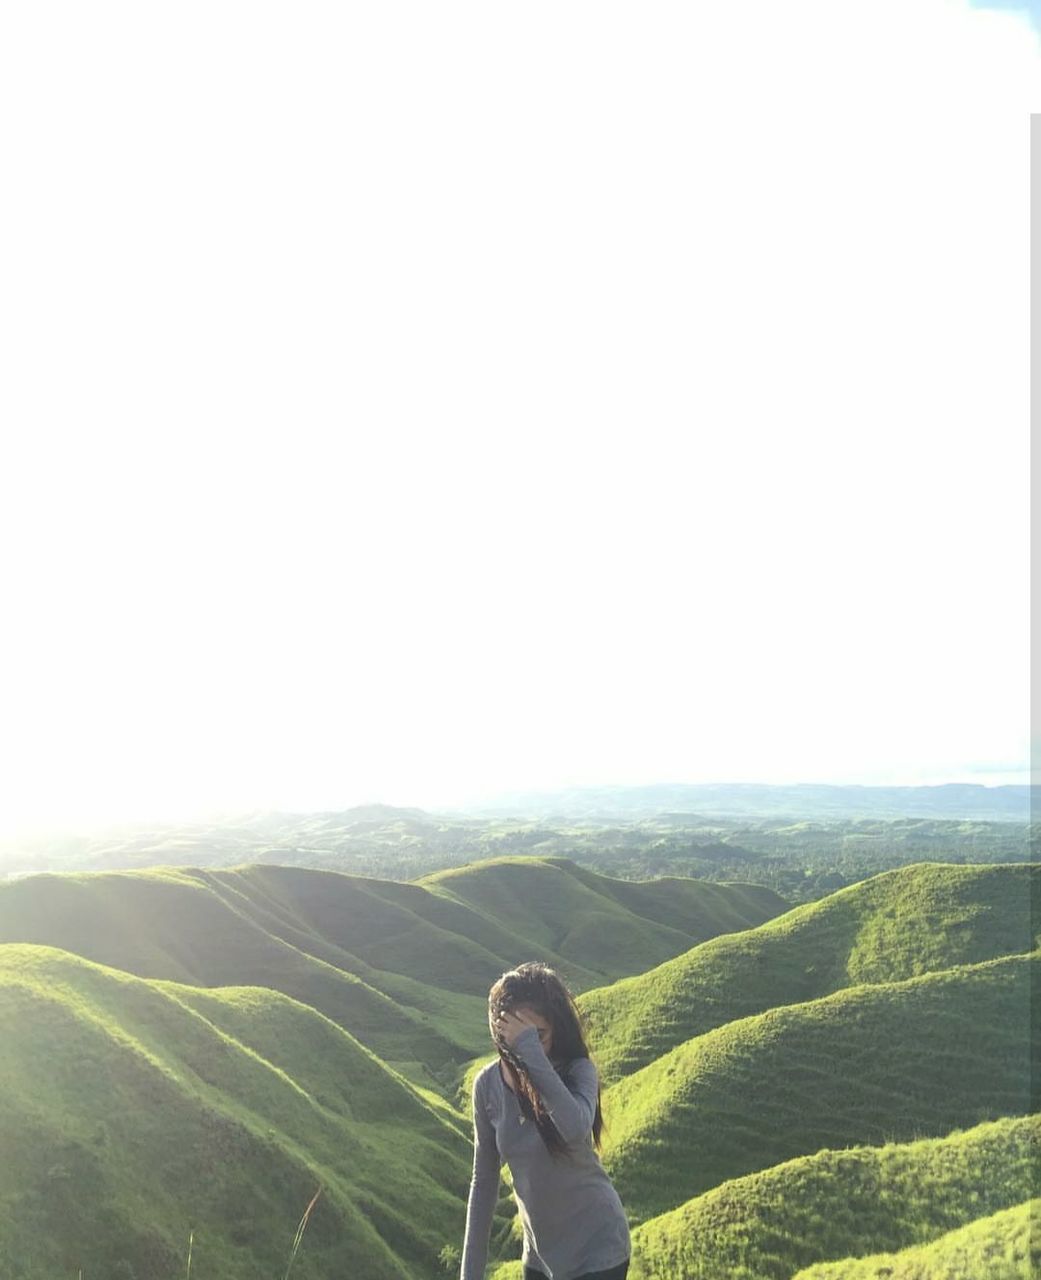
(484, 1075)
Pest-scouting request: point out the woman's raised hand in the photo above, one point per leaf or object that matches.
(510, 1025)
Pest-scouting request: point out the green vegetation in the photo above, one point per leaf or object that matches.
(221, 1058)
(597, 923)
(1005, 1246)
(137, 1115)
(207, 929)
(802, 842)
(896, 925)
(767, 1225)
(893, 1061)
(405, 968)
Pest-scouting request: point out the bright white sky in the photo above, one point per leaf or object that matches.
(410, 402)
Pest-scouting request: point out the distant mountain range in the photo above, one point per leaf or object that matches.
(963, 800)
(190, 1052)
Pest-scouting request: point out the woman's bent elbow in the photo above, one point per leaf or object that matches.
(577, 1132)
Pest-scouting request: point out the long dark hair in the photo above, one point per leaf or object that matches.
(537, 985)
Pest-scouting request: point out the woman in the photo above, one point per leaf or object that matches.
(537, 1106)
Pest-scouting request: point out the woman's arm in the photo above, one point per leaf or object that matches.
(572, 1106)
(484, 1192)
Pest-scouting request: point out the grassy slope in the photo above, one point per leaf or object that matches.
(893, 1061)
(141, 1109)
(767, 1225)
(173, 924)
(253, 1099)
(585, 923)
(1004, 1246)
(403, 967)
(914, 920)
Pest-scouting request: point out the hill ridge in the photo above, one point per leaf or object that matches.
(712, 1093)
(238, 1131)
(856, 1198)
(922, 917)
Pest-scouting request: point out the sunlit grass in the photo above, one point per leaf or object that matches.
(898, 925)
(886, 1062)
(129, 1102)
(745, 1137)
(300, 1232)
(1004, 1246)
(838, 1202)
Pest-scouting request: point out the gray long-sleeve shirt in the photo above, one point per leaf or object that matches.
(572, 1216)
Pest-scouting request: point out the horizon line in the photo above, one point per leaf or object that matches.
(87, 825)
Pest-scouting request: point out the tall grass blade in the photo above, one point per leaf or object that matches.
(300, 1232)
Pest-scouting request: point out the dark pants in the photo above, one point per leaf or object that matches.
(615, 1273)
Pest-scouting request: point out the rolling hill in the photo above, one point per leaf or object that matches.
(598, 923)
(890, 1061)
(403, 967)
(198, 1051)
(141, 1110)
(1005, 1246)
(859, 1200)
(863, 1199)
(900, 924)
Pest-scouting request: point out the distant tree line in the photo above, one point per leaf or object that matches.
(802, 861)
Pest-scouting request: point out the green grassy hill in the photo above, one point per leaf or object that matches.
(137, 1110)
(403, 967)
(893, 1061)
(1005, 1246)
(851, 1077)
(201, 928)
(914, 920)
(768, 1225)
(597, 923)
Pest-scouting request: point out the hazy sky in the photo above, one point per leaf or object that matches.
(408, 402)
